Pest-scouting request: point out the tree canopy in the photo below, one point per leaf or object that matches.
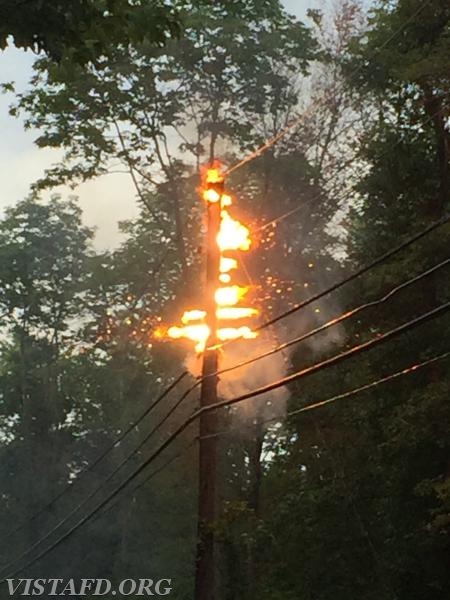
(84, 30)
(349, 500)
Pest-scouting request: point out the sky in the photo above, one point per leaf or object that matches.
(105, 201)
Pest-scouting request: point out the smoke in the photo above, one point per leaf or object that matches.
(250, 377)
(269, 369)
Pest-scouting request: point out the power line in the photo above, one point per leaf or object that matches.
(88, 468)
(337, 359)
(342, 396)
(334, 175)
(309, 334)
(292, 342)
(98, 488)
(406, 371)
(140, 485)
(282, 416)
(317, 367)
(310, 110)
(381, 259)
(129, 429)
(339, 319)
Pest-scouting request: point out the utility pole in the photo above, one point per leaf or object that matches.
(214, 323)
(205, 564)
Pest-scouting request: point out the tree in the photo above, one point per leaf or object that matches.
(356, 497)
(44, 249)
(84, 30)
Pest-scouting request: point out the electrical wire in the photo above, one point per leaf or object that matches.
(341, 169)
(303, 304)
(292, 342)
(144, 482)
(259, 151)
(101, 485)
(336, 359)
(282, 416)
(342, 396)
(311, 109)
(317, 367)
(378, 261)
(309, 334)
(337, 320)
(88, 468)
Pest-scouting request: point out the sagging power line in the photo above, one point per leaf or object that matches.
(308, 371)
(279, 348)
(88, 468)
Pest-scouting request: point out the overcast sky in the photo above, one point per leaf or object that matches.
(105, 201)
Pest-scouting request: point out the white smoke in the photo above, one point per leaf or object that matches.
(269, 369)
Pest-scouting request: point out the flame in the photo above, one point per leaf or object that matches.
(213, 174)
(232, 236)
(211, 196)
(235, 312)
(233, 333)
(227, 264)
(193, 315)
(229, 296)
(196, 333)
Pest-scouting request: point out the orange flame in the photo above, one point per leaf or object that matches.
(235, 312)
(213, 174)
(192, 315)
(227, 264)
(232, 236)
(229, 296)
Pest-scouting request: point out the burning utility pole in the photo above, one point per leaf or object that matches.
(205, 327)
(205, 565)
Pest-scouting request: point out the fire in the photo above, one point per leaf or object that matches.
(211, 196)
(233, 236)
(233, 312)
(229, 296)
(214, 175)
(192, 315)
(233, 333)
(197, 333)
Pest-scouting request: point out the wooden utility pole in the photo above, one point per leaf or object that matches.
(205, 565)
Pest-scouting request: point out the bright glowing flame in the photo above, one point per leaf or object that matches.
(196, 333)
(233, 333)
(214, 175)
(229, 296)
(192, 315)
(228, 264)
(232, 236)
(235, 312)
(210, 195)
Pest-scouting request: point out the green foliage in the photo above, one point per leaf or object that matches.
(349, 501)
(84, 30)
(43, 251)
(419, 54)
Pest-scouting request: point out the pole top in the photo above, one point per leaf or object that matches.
(213, 179)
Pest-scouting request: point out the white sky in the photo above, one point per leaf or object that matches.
(105, 201)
